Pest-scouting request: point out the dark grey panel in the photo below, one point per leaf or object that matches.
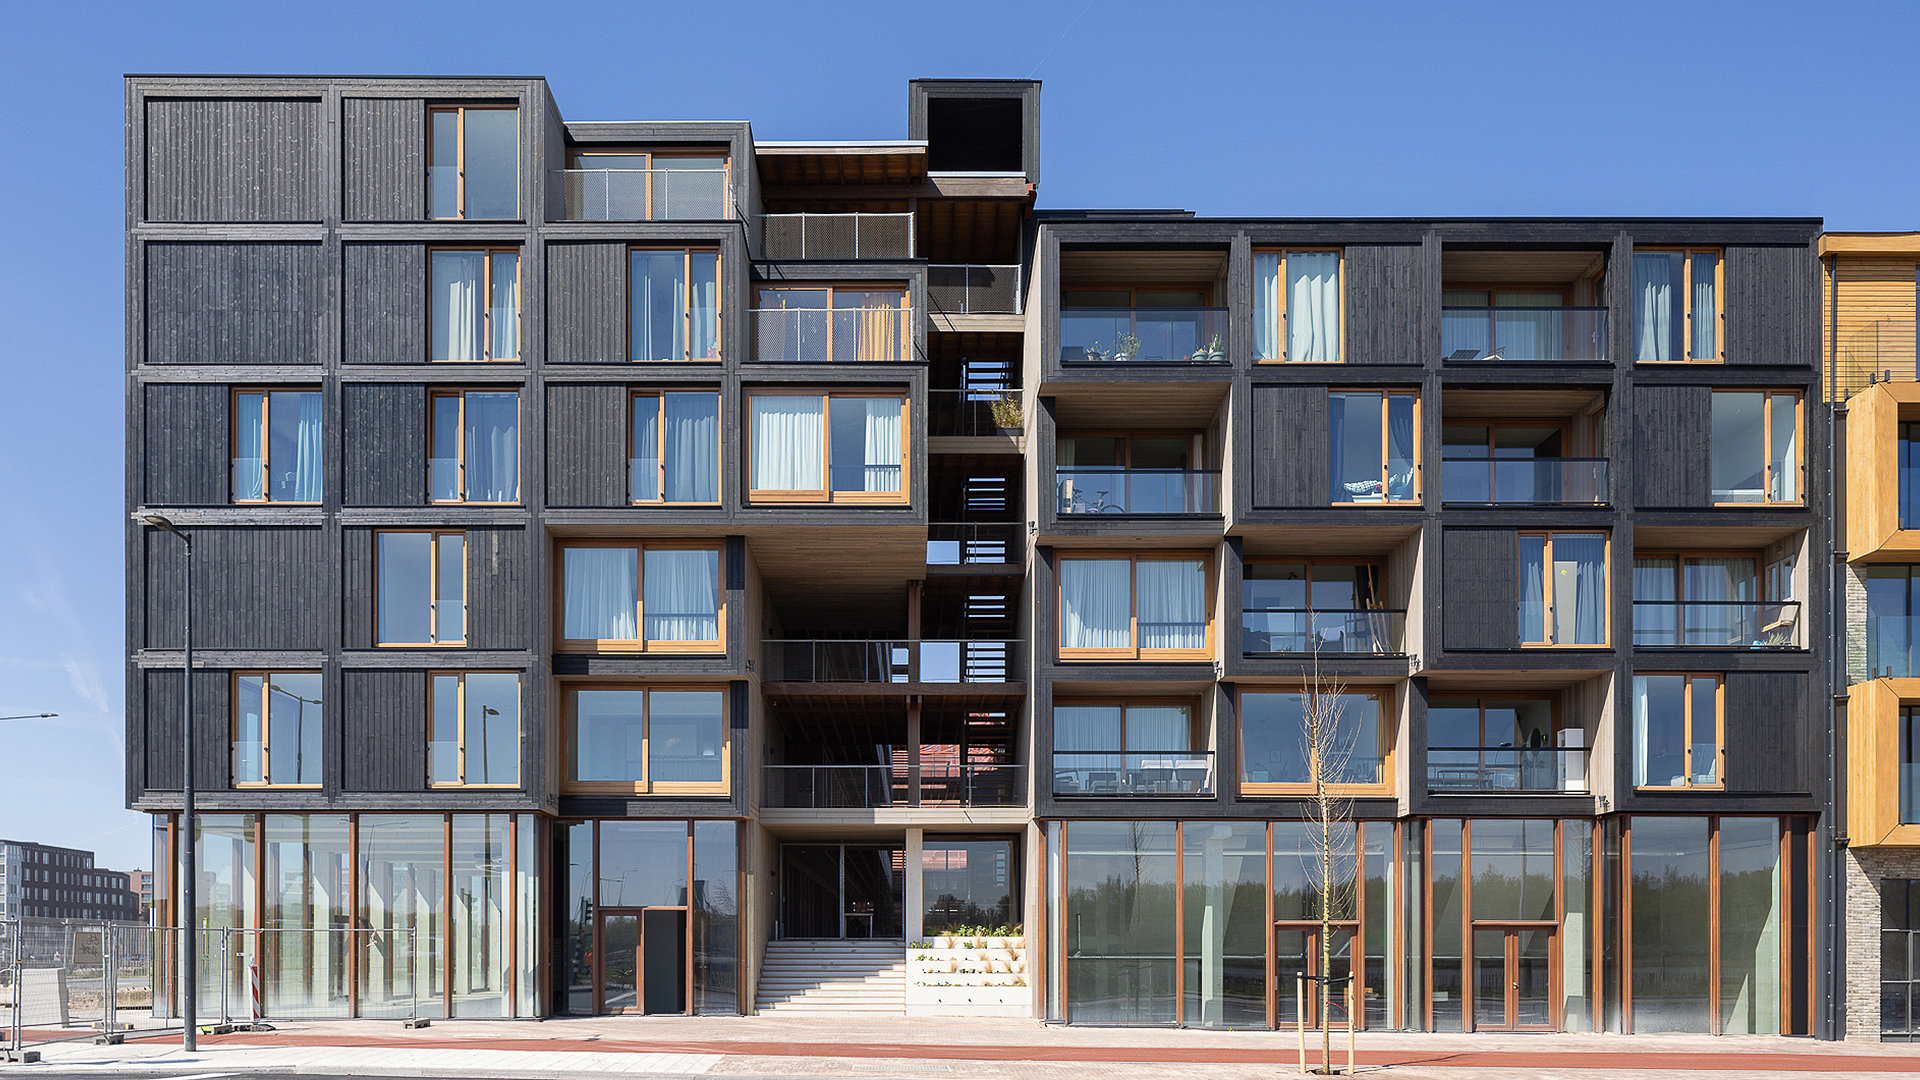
(1672, 446)
(384, 720)
(1768, 741)
(384, 159)
(233, 159)
(253, 588)
(386, 303)
(587, 303)
(498, 608)
(212, 730)
(1479, 581)
(186, 451)
(357, 583)
(1384, 310)
(233, 303)
(385, 439)
(1772, 306)
(587, 445)
(1289, 446)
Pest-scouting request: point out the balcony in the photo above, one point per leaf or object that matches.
(836, 237)
(1716, 624)
(1507, 770)
(1150, 774)
(974, 413)
(1092, 490)
(974, 544)
(1892, 646)
(1524, 481)
(862, 787)
(648, 194)
(974, 289)
(1881, 351)
(820, 660)
(1301, 632)
(1524, 335)
(833, 335)
(1168, 335)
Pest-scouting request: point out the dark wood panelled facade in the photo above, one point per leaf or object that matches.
(186, 457)
(219, 303)
(386, 463)
(386, 303)
(234, 159)
(384, 159)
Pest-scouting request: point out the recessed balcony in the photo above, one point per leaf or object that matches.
(1523, 307)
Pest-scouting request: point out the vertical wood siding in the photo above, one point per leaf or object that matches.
(212, 732)
(235, 159)
(587, 445)
(1672, 440)
(1772, 312)
(186, 445)
(499, 608)
(1384, 311)
(253, 588)
(384, 159)
(1289, 446)
(385, 442)
(233, 303)
(384, 724)
(1768, 741)
(587, 303)
(358, 581)
(386, 303)
(1479, 576)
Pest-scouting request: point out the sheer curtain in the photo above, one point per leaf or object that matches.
(1095, 597)
(1727, 585)
(600, 587)
(1579, 589)
(786, 443)
(1087, 728)
(493, 447)
(883, 457)
(1533, 602)
(1266, 307)
(1654, 621)
(693, 448)
(1705, 344)
(703, 306)
(644, 468)
(681, 595)
(249, 466)
(1642, 731)
(1157, 729)
(1653, 307)
(656, 305)
(456, 323)
(1313, 306)
(504, 315)
(1173, 603)
(1400, 451)
(306, 461)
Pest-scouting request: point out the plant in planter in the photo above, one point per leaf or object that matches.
(1126, 348)
(1210, 353)
(1007, 414)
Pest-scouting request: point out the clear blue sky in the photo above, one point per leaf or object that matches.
(1268, 108)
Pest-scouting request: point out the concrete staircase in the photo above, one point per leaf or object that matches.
(828, 975)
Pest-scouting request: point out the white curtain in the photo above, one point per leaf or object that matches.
(1087, 728)
(1173, 603)
(249, 470)
(703, 306)
(1266, 307)
(693, 448)
(1157, 729)
(456, 324)
(1641, 749)
(306, 461)
(883, 457)
(1094, 603)
(504, 316)
(681, 598)
(786, 443)
(644, 466)
(1706, 314)
(1653, 307)
(1313, 306)
(493, 447)
(1533, 604)
(600, 587)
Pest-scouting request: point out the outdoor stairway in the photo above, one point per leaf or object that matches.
(833, 975)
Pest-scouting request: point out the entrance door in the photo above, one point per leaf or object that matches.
(1296, 950)
(619, 961)
(641, 963)
(1512, 978)
(841, 891)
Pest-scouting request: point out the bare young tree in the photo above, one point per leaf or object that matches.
(1327, 746)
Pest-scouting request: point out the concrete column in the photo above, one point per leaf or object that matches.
(912, 918)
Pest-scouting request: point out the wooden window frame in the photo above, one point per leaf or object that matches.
(460, 729)
(826, 494)
(1686, 301)
(460, 441)
(433, 587)
(1134, 652)
(646, 785)
(460, 111)
(760, 291)
(486, 293)
(265, 394)
(1687, 728)
(1386, 398)
(1388, 702)
(1546, 596)
(1767, 476)
(266, 729)
(686, 253)
(659, 396)
(1280, 307)
(641, 644)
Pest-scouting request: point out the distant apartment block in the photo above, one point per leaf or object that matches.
(38, 881)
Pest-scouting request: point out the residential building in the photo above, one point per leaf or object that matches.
(642, 567)
(140, 883)
(40, 881)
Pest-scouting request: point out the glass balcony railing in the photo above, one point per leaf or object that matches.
(896, 661)
(1132, 773)
(1143, 335)
(1882, 351)
(1507, 770)
(1524, 335)
(1297, 632)
(832, 335)
(648, 194)
(836, 236)
(974, 289)
(1892, 646)
(1524, 481)
(1716, 624)
(857, 787)
(1094, 489)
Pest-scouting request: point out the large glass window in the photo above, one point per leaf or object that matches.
(827, 448)
(1128, 748)
(625, 596)
(1899, 960)
(306, 875)
(476, 305)
(1893, 615)
(1676, 305)
(1756, 447)
(1223, 963)
(676, 448)
(675, 305)
(1502, 745)
(420, 594)
(1672, 929)
(1909, 475)
(276, 729)
(402, 891)
(832, 323)
(968, 883)
(473, 169)
(277, 446)
(1563, 588)
(1120, 949)
(1371, 448)
(1296, 306)
(475, 447)
(1307, 607)
(1909, 765)
(1134, 474)
(1135, 607)
(1678, 732)
(473, 730)
(1750, 925)
(1290, 739)
(647, 739)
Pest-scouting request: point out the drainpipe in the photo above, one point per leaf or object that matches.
(1831, 1022)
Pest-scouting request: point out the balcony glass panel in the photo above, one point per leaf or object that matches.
(1130, 774)
(1522, 333)
(1144, 335)
(623, 187)
(1116, 490)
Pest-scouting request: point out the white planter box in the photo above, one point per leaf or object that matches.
(969, 977)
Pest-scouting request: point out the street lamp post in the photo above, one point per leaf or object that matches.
(189, 944)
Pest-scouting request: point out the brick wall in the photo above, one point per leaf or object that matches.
(1866, 868)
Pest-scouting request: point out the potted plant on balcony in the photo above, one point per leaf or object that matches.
(1210, 353)
(1126, 348)
(1007, 415)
